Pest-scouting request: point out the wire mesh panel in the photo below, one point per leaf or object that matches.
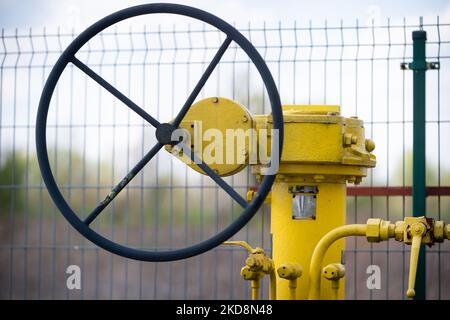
(94, 140)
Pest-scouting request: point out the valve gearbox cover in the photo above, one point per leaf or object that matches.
(220, 133)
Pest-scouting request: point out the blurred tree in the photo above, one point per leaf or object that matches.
(12, 175)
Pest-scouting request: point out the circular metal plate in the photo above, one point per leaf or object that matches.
(220, 132)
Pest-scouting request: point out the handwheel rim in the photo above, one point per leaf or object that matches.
(41, 126)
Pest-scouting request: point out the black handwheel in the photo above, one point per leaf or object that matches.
(163, 132)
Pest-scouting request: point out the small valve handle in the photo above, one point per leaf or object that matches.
(417, 230)
(242, 244)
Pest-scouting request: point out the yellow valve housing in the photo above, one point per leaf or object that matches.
(322, 151)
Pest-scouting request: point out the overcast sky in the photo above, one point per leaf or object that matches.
(82, 13)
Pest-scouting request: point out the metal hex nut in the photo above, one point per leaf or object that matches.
(438, 231)
(386, 230)
(373, 230)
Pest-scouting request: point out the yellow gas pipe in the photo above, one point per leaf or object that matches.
(255, 278)
(257, 265)
(322, 151)
(290, 271)
(334, 272)
(322, 247)
(413, 230)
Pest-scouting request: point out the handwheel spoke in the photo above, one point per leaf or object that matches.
(213, 175)
(190, 100)
(119, 95)
(138, 167)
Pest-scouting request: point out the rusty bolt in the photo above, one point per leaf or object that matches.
(244, 119)
(215, 100)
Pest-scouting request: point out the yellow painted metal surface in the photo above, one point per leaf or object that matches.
(294, 240)
(413, 230)
(334, 272)
(212, 123)
(323, 150)
(256, 266)
(291, 272)
(319, 289)
(322, 137)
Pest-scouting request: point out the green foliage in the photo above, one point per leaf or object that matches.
(12, 176)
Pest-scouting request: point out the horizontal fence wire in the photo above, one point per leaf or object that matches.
(94, 140)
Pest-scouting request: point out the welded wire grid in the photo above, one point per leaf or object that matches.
(94, 140)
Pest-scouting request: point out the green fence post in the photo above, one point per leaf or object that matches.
(419, 67)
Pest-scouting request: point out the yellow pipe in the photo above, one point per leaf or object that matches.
(242, 244)
(315, 268)
(255, 293)
(291, 272)
(292, 289)
(272, 285)
(255, 288)
(250, 274)
(288, 233)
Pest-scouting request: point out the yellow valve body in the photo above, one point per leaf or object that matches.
(324, 150)
(295, 240)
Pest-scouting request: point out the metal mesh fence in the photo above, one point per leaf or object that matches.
(94, 141)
